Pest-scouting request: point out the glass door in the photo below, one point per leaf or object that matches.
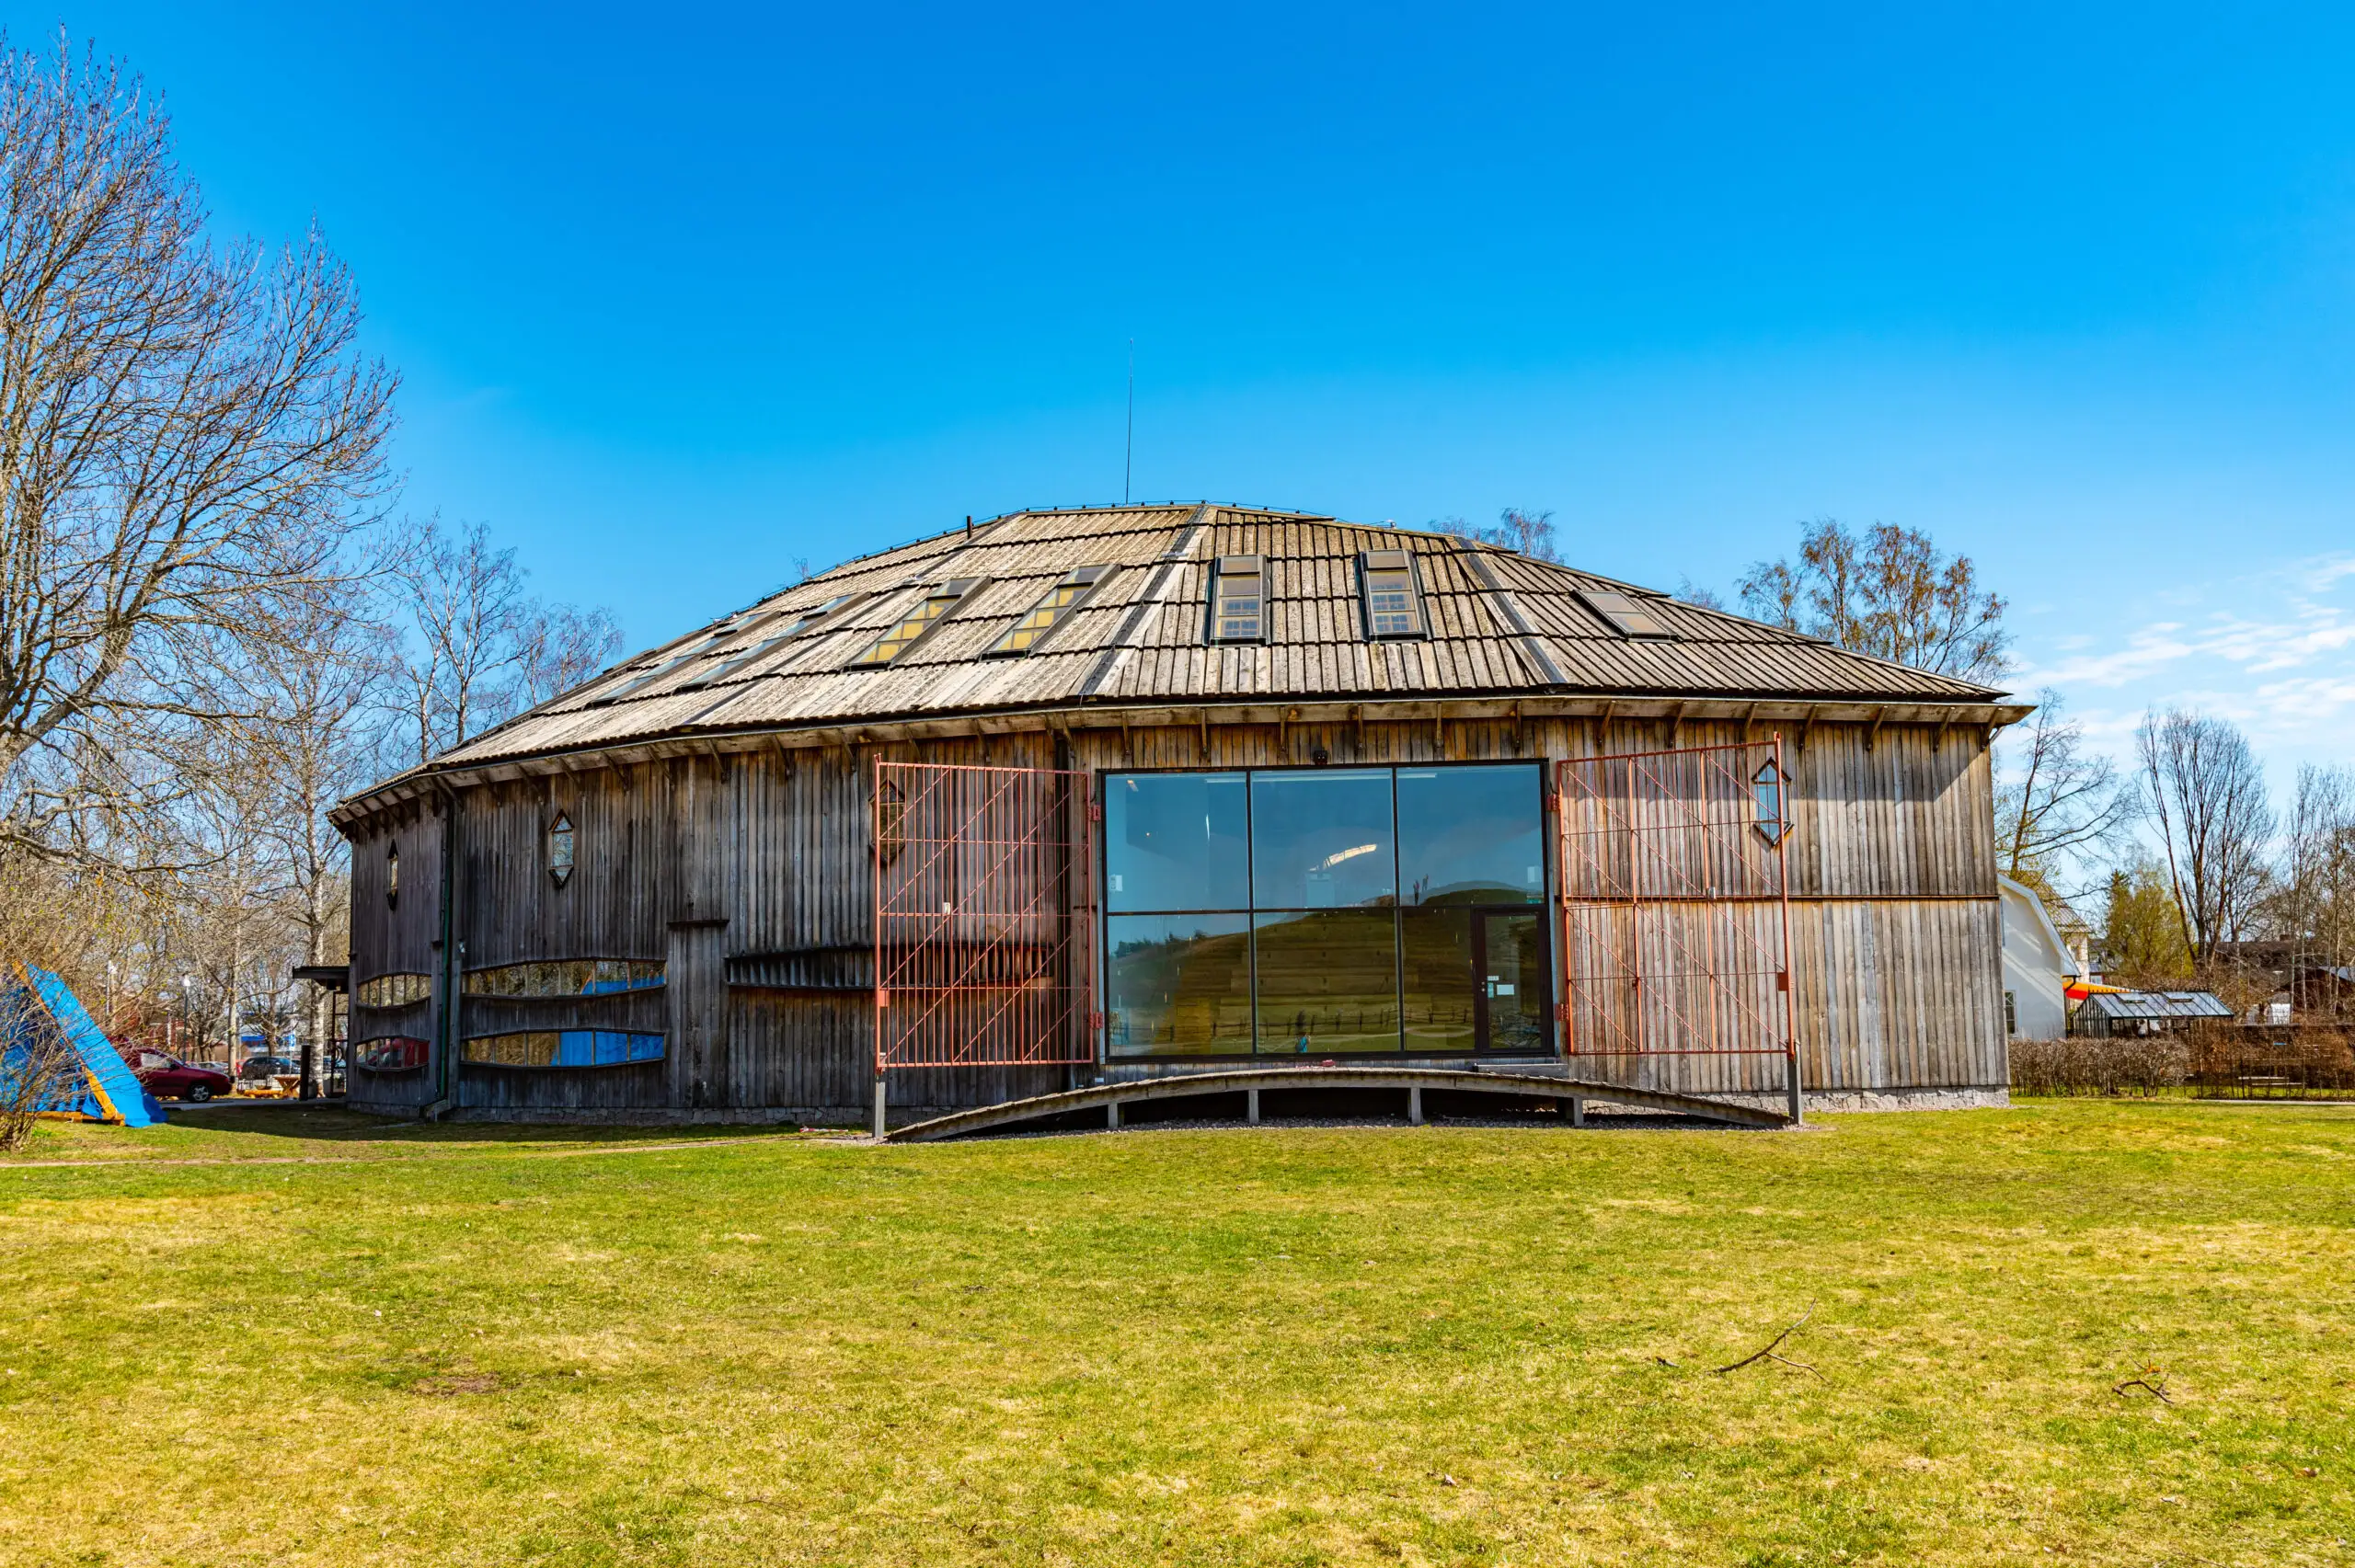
(1509, 962)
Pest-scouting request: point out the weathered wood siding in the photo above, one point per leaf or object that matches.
(396, 936)
(748, 876)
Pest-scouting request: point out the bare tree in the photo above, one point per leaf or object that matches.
(2057, 801)
(187, 433)
(2205, 794)
(485, 648)
(1518, 528)
(2314, 906)
(308, 743)
(1891, 593)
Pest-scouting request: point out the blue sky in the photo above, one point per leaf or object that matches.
(684, 294)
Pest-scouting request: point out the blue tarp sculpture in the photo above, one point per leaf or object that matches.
(37, 1005)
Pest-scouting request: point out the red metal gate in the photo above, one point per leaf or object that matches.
(983, 908)
(1676, 907)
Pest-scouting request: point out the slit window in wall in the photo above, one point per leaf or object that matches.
(560, 849)
(565, 978)
(1624, 614)
(563, 1047)
(392, 991)
(1394, 607)
(912, 627)
(1239, 600)
(890, 823)
(1067, 595)
(1767, 788)
(393, 874)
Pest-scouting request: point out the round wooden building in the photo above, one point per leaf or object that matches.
(1107, 800)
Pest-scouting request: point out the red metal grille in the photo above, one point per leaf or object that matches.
(983, 905)
(1675, 903)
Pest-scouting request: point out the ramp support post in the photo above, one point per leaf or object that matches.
(1578, 1110)
(1415, 1105)
(1112, 1117)
(1251, 1106)
(1791, 1083)
(878, 1105)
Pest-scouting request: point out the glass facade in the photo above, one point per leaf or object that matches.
(1326, 912)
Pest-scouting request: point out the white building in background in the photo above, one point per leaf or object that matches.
(2038, 967)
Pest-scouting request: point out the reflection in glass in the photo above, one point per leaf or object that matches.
(1175, 842)
(392, 1053)
(1442, 986)
(1178, 985)
(1322, 840)
(566, 977)
(392, 991)
(1513, 976)
(1471, 835)
(564, 1047)
(1327, 981)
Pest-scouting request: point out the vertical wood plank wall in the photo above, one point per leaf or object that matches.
(748, 876)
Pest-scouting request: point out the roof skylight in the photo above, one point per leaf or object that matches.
(1386, 585)
(1067, 595)
(647, 678)
(1239, 600)
(807, 620)
(1624, 614)
(929, 610)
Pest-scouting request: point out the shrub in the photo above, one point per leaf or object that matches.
(2084, 1066)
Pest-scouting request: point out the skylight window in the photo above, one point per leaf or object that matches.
(675, 662)
(1239, 600)
(1066, 596)
(1393, 607)
(1624, 615)
(938, 601)
(807, 620)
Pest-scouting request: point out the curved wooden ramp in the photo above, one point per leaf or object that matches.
(1517, 1084)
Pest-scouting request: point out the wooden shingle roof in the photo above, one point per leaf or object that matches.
(1500, 624)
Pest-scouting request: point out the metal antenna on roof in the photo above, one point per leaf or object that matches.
(1129, 461)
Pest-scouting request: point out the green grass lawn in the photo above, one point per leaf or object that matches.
(275, 1337)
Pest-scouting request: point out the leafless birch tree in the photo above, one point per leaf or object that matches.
(482, 647)
(2056, 802)
(1889, 592)
(2205, 794)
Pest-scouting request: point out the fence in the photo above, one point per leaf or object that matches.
(1675, 934)
(984, 906)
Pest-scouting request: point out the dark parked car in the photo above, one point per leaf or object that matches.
(167, 1076)
(267, 1067)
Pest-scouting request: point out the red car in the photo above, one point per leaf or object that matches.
(167, 1076)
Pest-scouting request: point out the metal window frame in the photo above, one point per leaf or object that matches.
(1405, 562)
(1089, 589)
(1219, 573)
(957, 591)
(1252, 910)
(1592, 598)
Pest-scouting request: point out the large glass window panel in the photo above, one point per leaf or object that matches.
(1512, 979)
(1441, 985)
(1175, 842)
(1322, 840)
(1471, 835)
(1327, 981)
(1178, 985)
